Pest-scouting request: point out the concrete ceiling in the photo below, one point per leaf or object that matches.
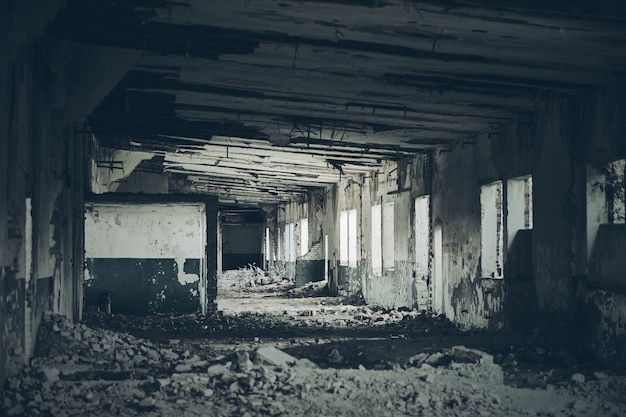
(259, 100)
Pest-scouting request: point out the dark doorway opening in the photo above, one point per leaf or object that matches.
(242, 238)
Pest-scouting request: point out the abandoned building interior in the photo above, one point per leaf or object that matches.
(458, 162)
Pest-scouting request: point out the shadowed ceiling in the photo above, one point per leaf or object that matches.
(259, 100)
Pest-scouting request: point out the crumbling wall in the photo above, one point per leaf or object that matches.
(469, 297)
(41, 187)
(601, 316)
(211, 255)
(148, 257)
(456, 207)
(348, 195)
(601, 294)
(283, 261)
(607, 264)
(5, 259)
(40, 227)
(559, 198)
(310, 267)
(395, 286)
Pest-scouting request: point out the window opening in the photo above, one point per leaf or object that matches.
(492, 231)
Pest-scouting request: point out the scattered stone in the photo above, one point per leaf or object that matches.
(183, 368)
(274, 387)
(219, 369)
(533, 381)
(305, 363)
(600, 375)
(243, 361)
(147, 402)
(52, 374)
(273, 356)
(578, 378)
(418, 360)
(16, 410)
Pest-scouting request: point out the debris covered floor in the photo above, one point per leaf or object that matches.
(279, 351)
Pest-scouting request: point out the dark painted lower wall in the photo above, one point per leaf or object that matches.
(348, 280)
(310, 267)
(12, 320)
(520, 298)
(240, 260)
(141, 286)
(309, 271)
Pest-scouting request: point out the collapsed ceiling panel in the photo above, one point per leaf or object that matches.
(257, 101)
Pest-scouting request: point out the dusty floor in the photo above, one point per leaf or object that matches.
(334, 359)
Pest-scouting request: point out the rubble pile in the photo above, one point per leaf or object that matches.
(242, 325)
(250, 324)
(250, 276)
(310, 289)
(80, 371)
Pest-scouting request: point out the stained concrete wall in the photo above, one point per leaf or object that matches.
(314, 206)
(310, 267)
(452, 180)
(559, 202)
(568, 263)
(600, 293)
(456, 207)
(47, 88)
(347, 279)
(149, 256)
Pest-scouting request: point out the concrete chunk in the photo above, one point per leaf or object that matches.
(219, 369)
(15, 411)
(147, 403)
(51, 373)
(273, 356)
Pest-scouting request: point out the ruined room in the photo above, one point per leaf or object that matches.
(312, 207)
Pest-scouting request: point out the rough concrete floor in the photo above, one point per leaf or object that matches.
(335, 359)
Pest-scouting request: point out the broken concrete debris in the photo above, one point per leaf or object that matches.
(88, 375)
(273, 356)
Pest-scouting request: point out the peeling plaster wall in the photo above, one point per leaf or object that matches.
(602, 317)
(4, 146)
(559, 198)
(546, 268)
(456, 206)
(285, 214)
(310, 267)
(149, 257)
(396, 286)
(348, 279)
(114, 171)
(42, 171)
(601, 297)
(607, 265)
